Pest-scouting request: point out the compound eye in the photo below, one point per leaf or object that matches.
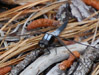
(42, 45)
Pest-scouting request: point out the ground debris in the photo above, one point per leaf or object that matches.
(17, 41)
(87, 61)
(29, 58)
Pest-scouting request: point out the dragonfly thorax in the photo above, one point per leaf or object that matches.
(47, 40)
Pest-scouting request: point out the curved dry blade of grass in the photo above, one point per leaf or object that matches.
(89, 38)
(5, 43)
(96, 29)
(94, 14)
(19, 8)
(10, 20)
(31, 42)
(5, 37)
(13, 49)
(25, 12)
(41, 12)
(13, 61)
(95, 71)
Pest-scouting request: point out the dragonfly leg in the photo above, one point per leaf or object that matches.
(54, 46)
(36, 51)
(62, 43)
(47, 51)
(56, 51)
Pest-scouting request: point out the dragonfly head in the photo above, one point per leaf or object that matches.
(43, 43)
(47, 40)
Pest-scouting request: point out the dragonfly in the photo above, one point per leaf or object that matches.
(49, 38)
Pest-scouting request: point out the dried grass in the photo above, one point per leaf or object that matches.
(73, 29)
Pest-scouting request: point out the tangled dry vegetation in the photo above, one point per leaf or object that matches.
(17, 42)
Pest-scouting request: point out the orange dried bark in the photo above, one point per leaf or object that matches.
(5, 70)
(67, 63)
(93, 3)
(42, 23)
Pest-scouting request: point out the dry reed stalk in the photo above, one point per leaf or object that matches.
(69, 24)
(17, 50)
(2, 52)
(13, 61)
(53, 0)
(78, 29)
(89, 27)
(31, 40)
(13, 18)
(52, 12)
(20, 47)
(49, 15)
(72, 20)
(34, 39)
(85, 34)
(24, 12)
(19, 8)
(95, 32)
(83, 22)
(71, 35)
(29, 49)
(79, 34)
(89, 38)
(30, 11)
(48, 8)
(43, 11)
(24, 47)
(4, 18)
(8, 47)
(37, 38)
(12, 49)
(94, 14)
(13, 45)
(5, 37)
(21, 2)
(96, 69)
(74, 27)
